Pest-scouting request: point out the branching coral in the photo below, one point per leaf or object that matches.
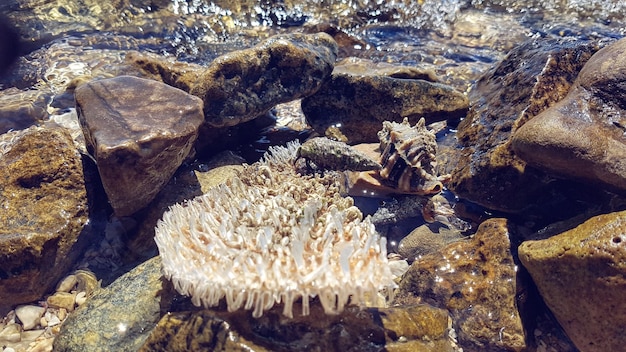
(272, 236)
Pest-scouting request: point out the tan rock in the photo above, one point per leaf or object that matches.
(29, 315)
(581, 275)
(43, 196)
(582, 136)
(137, 137)
(62, 300)
(476, 281)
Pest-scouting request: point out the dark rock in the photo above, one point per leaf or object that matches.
(414, 328)
(44, 214)
(582, 136)
(581, 275)
(137, 137)
(244, 84)
(360, 96)
(118, 317)
(531, 78)
(476, 281)
(22, 109)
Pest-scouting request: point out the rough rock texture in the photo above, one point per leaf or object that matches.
(414, 328)
(427, 239)
(360, 96)
(118, 317)
(581, 275)
(531, 78)
(583, 135)
(21, 109)
(476, 281)
(44, 205)
(138, 137)
(243, 84)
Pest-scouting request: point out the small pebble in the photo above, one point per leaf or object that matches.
(67, 284)
(62, 300)
(62, 314)
(29, 315)
(81, 298)
(11, 333)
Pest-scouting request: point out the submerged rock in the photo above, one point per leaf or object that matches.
(581, 275)
(414, 328)
(356, 100)
(476, 280)
(22, 109)
(44, 217)
(583, 136)
(138, 138)
(320, 153)
(531, 78)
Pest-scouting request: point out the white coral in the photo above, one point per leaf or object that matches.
(272, 236)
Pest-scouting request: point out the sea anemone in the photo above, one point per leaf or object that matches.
(271, 236)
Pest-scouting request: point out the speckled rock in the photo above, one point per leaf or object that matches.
(44, 215)
(22, 109)
(476, 281)
(360, 96)
(415, 328)
(427, 239)
(118, 317)
(581, 275)
(532, 77)
(244, 84)
(582, 136)
(138, 138)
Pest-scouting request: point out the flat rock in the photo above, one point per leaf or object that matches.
(476, 281)
(43, 196)
(118, 317)
(581, 275)
(137, 137)
(531, 78)
(583, 135)
(361, 95)
(416, 328)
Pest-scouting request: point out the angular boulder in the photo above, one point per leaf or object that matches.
(44, 217)
(583, 135)
(531, 78)
(581, 275)
(361, 95)
(139, 132)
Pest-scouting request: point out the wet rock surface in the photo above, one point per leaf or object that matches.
(581, 275)
(476, 280)
(531, 78)
(44, 214)
(356, 100)
(583, 135)
(118, 317)
(22, 109)
(138, 138)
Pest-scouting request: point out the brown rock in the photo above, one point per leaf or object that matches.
(427, 239)
(531, 78)
(360, 96)
(62, 300)
(22, 109)
(414, 328)
(137, 137)
(476, 281)
(582, 136)
(244, 84)
(44, 204)
(581, 275)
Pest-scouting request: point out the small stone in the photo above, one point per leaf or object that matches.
(62, 313)
(81, 297)
(426, 239)
(52, 319)
(62, 300)
(67, 284)
(43, 322)
(29, 315)
(87, 281)
(137, 138)
(11, 333)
